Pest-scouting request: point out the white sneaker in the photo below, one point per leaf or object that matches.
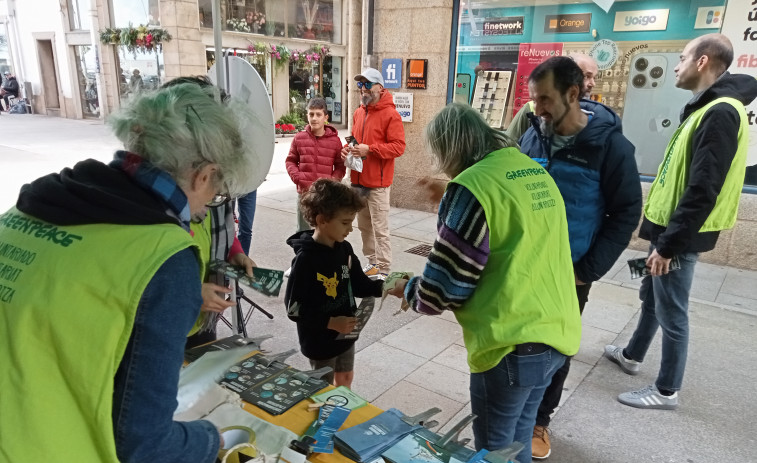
(615, 353)
(287, 272)
(649, 397)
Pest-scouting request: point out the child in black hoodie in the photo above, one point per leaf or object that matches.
(326, 276)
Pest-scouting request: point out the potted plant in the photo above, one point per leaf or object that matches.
(310, 13)
(255, 20)
(237, 25)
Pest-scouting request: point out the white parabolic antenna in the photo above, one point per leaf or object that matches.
(244, 83)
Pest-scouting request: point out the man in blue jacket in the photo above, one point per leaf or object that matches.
(581, 144)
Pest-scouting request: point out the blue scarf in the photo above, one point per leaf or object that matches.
(159, 182)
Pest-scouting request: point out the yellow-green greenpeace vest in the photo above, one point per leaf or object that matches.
(673, 174)
(201, 235)
(68, 298)
(527, 291)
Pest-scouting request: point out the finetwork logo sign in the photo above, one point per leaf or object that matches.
(392, 72)
(511, 25)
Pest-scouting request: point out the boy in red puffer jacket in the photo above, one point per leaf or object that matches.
(315, 153)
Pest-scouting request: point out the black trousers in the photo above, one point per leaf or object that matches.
(553, 393)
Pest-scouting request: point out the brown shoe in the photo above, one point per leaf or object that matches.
(371, 270)
(540, 446)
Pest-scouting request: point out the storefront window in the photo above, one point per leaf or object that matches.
(261, 61)
(86, 69)
(307, 19)
(636, 45)
(5, 64)
(317, 78)
(134, 12)
(139, 72)
(315, 20)
(78, 15)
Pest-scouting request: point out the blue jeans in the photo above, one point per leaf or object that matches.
(665, 303)
(505, 399)
(246, 206)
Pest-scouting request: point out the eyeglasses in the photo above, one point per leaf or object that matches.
(219, 199)
(367, 85)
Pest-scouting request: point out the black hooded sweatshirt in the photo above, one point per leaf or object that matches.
(92, 193)
(713, 149)
(323, 284)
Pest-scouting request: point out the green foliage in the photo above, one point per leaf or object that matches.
(292, 118)
(140, 38)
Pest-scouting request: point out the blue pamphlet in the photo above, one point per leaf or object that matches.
(366, 441)
(324, 442)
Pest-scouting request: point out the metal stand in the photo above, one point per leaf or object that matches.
(239, 320)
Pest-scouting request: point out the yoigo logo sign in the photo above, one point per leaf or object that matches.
(641, 20)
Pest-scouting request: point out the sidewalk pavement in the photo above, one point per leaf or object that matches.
(415, 362)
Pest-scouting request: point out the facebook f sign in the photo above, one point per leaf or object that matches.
(392, 71)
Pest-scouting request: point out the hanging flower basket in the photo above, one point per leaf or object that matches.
(135, 39)
(281, 55)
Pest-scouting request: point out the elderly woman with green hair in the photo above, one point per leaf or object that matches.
(501, 263)
(92, 337)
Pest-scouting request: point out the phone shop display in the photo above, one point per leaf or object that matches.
(652, 106)
(490, 96)
(640, 86)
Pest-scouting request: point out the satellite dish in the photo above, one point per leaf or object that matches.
(244, 83)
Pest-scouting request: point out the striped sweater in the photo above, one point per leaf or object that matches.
(460, 252)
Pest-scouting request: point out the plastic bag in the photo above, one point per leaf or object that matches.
(354, 163)
(18, 108)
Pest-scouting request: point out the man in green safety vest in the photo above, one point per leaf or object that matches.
(695, 196)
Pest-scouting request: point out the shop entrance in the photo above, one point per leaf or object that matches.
(320, 78)
(49, 74)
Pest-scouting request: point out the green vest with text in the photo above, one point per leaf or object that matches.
(673, 175)
(526, 292)
(68, 299)
(201, 232)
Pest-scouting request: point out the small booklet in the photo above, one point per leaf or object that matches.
(423, 445)
(341, 397)
(420, 447)
(264, 280)
(638, 267)
(362, 313)
(366, 441)
(271, 384)
(330, 422)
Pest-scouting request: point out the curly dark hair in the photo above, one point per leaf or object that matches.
(328, 197)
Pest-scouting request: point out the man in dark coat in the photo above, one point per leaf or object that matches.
(9, 88)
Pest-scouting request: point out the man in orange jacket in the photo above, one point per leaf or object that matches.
(380, 138)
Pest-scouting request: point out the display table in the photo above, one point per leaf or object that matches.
(297, 419)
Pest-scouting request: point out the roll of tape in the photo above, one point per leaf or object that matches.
(239, 445)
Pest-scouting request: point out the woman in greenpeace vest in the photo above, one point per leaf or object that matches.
(106, 286)
(501, 263)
